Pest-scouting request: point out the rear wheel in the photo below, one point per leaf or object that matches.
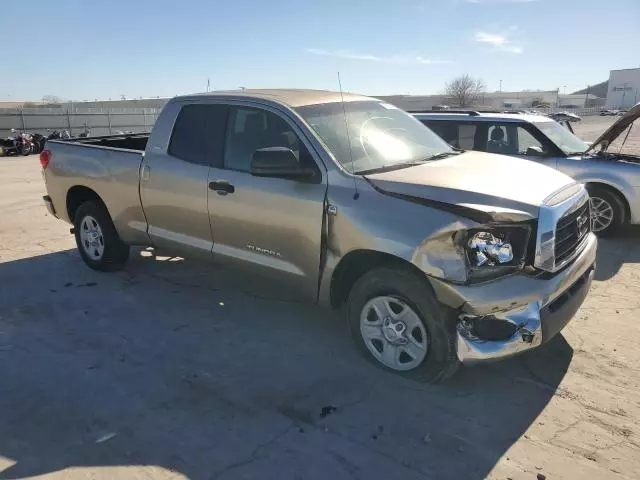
(97, 239)
(607, 211)
(398, 324)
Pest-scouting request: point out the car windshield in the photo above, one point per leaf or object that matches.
(380, 136)
(562, 137)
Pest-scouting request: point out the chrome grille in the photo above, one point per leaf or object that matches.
(570, 232)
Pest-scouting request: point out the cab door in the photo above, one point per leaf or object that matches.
(174, 178)
(267, 227)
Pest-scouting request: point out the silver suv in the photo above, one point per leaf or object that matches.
(612, 179)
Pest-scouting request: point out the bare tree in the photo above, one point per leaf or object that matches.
(465, 90)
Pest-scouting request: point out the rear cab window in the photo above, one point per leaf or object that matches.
(198, 134)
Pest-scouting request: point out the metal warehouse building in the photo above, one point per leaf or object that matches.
(624, 88)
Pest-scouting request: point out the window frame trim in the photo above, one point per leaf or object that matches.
(181, 106)
(283, 115)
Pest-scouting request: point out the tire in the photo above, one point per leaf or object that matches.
(97, 239)
(25, 150)
(606, 202)
(400, 288)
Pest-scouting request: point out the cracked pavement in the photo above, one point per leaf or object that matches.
(172, 369)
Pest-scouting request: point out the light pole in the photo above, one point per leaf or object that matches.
(500, 86)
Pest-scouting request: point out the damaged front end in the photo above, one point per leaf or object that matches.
(490, 275)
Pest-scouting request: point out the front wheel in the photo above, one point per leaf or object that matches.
(98, 241)
(25, 149)
(607, 211)
(397, 323)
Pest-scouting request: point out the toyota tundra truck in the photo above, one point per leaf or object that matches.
(436, 256)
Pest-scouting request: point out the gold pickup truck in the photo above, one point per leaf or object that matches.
(437, 257)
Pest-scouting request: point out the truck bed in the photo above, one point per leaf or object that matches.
(133, 141)
(106, 167)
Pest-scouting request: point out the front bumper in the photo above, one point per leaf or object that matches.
(536, 308)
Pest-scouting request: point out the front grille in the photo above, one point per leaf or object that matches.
(570, 231)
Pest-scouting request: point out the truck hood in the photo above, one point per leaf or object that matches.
(506, 188)
(611, 133)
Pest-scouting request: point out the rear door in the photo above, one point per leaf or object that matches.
(174, 185)
(270, 227)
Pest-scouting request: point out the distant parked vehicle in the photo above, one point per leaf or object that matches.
(611, 178)
(565, 119)
(610, 113)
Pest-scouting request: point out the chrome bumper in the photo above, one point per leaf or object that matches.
(539, 308)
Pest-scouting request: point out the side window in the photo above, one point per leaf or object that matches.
(467, 136)
(526, 140)
(446, 129)
(252, 129)
(498, 141)
(437, 127)
(198, 134)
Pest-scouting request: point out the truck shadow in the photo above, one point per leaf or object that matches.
(615, 251)
(139, 368)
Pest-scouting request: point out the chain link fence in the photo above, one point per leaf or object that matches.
(95, 121)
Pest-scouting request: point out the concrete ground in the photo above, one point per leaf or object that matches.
(590, 128)
(172, 370)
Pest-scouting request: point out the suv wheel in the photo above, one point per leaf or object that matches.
(607, 211)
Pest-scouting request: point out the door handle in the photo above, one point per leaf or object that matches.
(222, 187)
(146, 170)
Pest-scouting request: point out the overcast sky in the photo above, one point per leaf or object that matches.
(83, 50)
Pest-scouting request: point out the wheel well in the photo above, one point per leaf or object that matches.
(617, 193)
(76, 196)
(354, 265)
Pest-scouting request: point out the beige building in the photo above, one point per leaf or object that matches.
(624, 88)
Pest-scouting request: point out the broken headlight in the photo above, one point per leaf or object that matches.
(488, 249)
(497, 251)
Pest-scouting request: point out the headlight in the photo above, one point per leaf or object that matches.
(488, 249)
(494, 252)
(475, 254)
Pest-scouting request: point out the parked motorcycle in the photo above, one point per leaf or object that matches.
(53, 134)
(38, 142)
(86, 132)
(19, 143)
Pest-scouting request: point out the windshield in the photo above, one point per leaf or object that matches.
(380, 135)
(562, 137)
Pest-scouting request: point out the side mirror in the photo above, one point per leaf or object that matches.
(278, 162)
(534, 152)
